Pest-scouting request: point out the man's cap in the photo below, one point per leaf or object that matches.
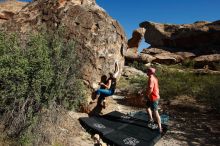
(151, 70)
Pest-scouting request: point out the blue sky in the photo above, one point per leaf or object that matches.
(130, 13)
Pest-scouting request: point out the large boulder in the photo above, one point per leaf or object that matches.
(8, 8)
(160, 55)
(131, 57)
(172, 43)
(201, 35)
(212, 61)
(132, 72)
(100, 40)
(134, 42)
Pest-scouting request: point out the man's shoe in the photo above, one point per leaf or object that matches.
(150, 124)
(154, 126)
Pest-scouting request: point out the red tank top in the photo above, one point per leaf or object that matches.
(153, 84)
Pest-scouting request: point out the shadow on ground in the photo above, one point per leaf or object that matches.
(189, 124)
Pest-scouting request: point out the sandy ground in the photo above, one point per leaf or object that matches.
(190, 123)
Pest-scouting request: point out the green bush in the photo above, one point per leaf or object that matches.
(203, 87)
(189, 63)
(140, 81)
(138, 65)
(40, 72)
(174, 83)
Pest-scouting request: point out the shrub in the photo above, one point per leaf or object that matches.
(138, 65)
(203, 87)
(42, 71)
(141, 81)
(174, 83)
(189, 63)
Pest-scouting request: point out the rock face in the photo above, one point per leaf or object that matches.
(135, 41)
(131, 72)
(199, 35)
(8, 8)
(212, 61)
(100, 40)
(198, 43)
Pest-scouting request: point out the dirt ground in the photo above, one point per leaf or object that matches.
(190, 123)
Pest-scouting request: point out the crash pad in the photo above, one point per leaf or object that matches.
(120, 129)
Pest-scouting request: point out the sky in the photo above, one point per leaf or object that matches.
(130, 13)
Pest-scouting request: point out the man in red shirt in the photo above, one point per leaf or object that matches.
(153, 96)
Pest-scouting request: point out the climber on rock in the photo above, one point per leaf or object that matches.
(108, 88)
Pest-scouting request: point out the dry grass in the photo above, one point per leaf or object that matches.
(175, 82)
(57, 126)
